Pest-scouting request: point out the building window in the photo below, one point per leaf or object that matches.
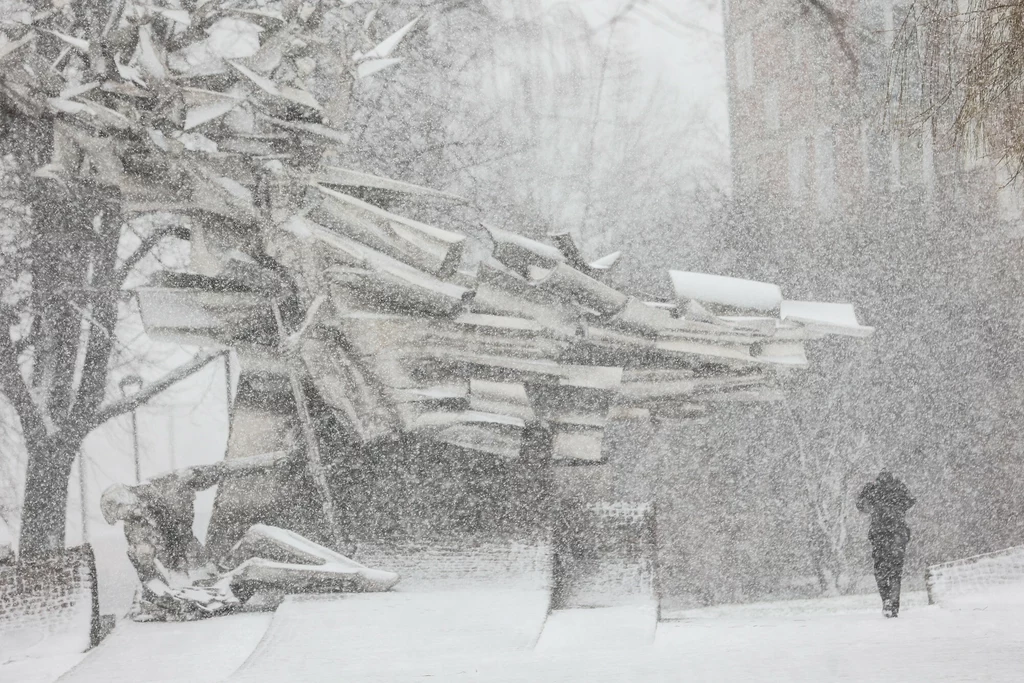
(865, 151)
(928, 157)
(825, 169)
(973, 146)
(907, 161)
(894, 162)
(749, 173)
(771, 109)
(796, 156)
(744, 60)
(1009, 196)
(912, 153)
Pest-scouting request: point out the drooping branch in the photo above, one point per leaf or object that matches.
(146, 247)
(13, 386)
(129, 403)
(22, 345)
(836, 23)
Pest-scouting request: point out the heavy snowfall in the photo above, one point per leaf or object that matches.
(500, 340)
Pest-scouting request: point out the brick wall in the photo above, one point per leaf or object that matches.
(463, 562)
(49, 606)
(605, 555)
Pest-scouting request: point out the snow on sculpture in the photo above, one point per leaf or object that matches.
(180, 581)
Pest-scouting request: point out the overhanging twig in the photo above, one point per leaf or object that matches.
(147, 392)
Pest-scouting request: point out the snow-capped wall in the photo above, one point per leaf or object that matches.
(463, 562)
(606, 556)
(49, 606)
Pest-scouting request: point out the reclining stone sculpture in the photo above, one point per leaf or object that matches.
(180, 581)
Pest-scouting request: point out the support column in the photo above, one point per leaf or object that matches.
(604, 526)
(263, 419)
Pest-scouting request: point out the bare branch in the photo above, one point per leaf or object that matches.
(838, 26)
(146, 247)
(13, 386)
(130, 403)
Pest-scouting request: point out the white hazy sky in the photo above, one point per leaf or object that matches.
(681, 45)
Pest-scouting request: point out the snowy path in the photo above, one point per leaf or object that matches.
(190, 652)
(370, 636)
(928, 644)
(630, 626)
(492, 636)
(35, 670)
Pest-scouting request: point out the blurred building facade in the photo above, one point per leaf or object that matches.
(838, 191)
(816, 122)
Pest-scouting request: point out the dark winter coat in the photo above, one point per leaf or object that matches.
(887, 499)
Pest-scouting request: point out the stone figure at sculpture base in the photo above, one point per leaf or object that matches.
(180, 581)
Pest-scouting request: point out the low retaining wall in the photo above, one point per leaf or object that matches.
(605, 556)
(976, 574)
(49, 606)
(462, 561)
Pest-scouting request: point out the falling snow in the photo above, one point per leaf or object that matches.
(510, 340)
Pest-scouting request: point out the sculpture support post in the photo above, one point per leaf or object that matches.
(136, 382)
(82, 493)
(312, 449)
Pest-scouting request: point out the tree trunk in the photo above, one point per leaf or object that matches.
(46, 496)
(74, 254)
(827, 564)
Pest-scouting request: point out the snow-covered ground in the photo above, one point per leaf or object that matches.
(481, 637)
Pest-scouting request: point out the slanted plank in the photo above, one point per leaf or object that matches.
(359, 401)
(521, 253)
(343, 177)
(391, 288)
(639, 318)
(564, 280)
(419, 245)
(505, 398)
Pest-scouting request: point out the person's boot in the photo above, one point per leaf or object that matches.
(887, 609)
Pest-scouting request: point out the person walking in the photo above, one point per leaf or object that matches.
(887, 500)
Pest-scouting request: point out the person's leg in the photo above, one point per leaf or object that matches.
(881, 578)
(257, 574)
(899, 556)
(892, 583)
(887, 573)
(282, 545)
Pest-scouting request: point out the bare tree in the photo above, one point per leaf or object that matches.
(830, 454)
(112, 110)
(958, 63)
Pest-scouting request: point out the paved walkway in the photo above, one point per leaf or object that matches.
(205, 651)
(387, 636)
(626, 627)
(503, 637)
